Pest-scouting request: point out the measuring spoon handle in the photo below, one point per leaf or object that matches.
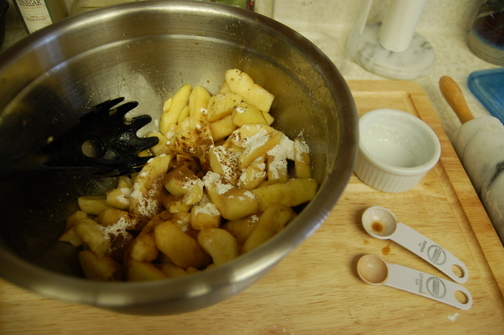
(430, 252)
(427, 285)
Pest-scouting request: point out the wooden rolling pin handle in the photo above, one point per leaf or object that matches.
(453, 95)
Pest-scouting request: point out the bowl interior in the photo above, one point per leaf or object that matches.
(144, 52)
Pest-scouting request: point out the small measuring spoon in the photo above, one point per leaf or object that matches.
(375, 271)
(381, 223)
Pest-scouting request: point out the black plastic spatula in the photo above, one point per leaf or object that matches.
(102, 142)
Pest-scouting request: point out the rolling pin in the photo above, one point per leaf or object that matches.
(479, 143)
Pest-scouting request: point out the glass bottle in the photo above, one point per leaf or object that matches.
(264, 7)
(37, 14)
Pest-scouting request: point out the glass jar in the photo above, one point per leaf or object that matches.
(486, 37)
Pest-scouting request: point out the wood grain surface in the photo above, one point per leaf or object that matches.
(315, 289)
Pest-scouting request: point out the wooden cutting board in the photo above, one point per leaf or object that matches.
(315, 289)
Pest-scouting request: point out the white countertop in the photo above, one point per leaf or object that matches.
(444, 24)
(327, 23)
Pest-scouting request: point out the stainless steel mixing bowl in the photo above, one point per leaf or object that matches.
(145, 51)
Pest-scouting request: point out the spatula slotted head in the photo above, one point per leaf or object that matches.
(103, 140)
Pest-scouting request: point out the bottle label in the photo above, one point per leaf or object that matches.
(35, 14)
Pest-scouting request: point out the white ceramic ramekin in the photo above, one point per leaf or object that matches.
(396, 150)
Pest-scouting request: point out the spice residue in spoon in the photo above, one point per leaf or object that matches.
(377, 227)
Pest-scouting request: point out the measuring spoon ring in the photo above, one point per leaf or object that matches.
(381, 223)
(375, 271)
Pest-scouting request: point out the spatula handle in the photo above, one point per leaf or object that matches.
(455, 98)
